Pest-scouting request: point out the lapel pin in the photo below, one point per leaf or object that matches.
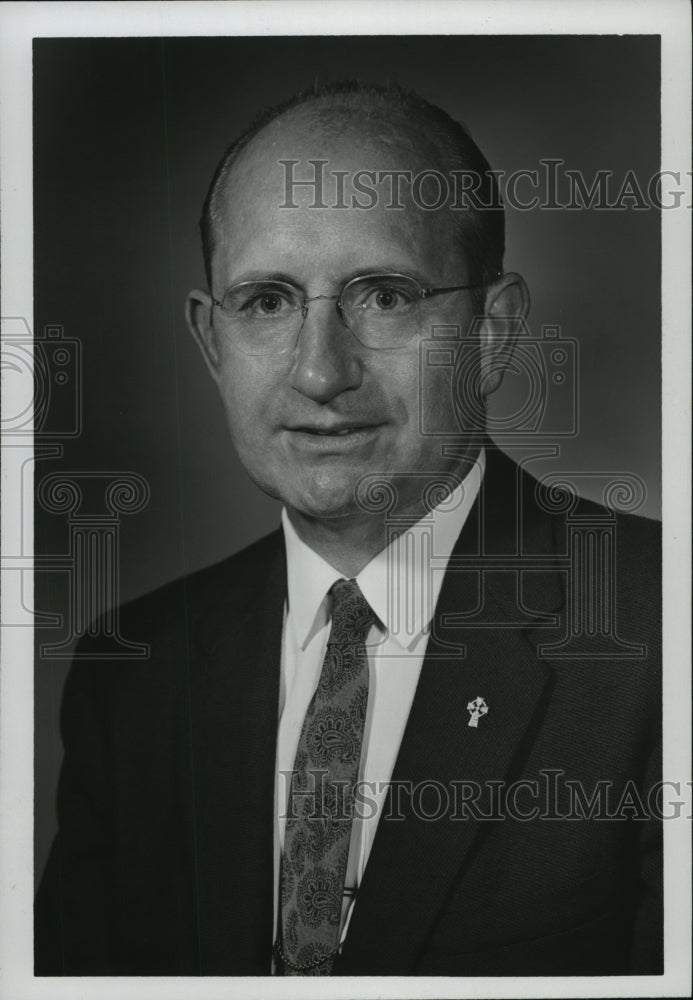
(476, 708)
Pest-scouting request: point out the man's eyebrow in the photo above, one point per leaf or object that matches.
(388, 268)
(359, 272)
(264, 276)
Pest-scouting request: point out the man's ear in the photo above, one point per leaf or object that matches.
(198, 314)
(507, 305)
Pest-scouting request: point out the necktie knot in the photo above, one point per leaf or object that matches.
(352, 615)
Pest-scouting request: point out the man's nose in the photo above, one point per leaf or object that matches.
(326, 355)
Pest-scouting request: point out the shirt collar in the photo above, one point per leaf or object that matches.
(309, 578)
(401, 583)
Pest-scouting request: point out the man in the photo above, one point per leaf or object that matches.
(346, 752)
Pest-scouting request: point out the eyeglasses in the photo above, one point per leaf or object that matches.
(383, 311)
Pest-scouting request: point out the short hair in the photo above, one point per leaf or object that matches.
(479, 227)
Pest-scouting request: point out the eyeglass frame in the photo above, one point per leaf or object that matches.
(424, 293)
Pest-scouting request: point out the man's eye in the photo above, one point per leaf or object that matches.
(266, 304)
(386, 298)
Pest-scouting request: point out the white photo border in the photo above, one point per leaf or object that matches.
(19, 24)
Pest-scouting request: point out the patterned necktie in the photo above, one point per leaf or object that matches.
(321, 803)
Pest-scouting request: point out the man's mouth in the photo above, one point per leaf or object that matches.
(316, 436)
(340, 430)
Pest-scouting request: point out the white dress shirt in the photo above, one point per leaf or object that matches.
(401, 584)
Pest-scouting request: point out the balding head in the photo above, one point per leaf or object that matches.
(407, 132)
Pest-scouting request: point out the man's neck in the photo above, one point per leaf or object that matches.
(349, 543)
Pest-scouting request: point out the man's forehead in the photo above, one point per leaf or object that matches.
(351, 144)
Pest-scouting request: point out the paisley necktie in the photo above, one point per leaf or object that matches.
(321, 802)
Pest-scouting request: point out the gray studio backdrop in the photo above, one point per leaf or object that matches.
(126, 135)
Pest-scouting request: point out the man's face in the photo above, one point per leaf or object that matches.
(309, 423)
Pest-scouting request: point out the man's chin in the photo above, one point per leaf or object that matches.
(324, 508)
(321, 494)
(319, 499)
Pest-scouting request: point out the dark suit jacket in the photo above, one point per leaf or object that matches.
(163, 860)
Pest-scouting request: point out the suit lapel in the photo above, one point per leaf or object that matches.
(233, 720)
(416, 861)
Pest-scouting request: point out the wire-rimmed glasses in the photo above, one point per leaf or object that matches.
(383, 311)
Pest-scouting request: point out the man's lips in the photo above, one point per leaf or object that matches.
(334, 430)
(333, 438)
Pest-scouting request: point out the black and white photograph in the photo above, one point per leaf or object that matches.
(346, 496)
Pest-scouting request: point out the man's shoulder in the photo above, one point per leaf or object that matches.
(554, 499)
(172, 623)
(236, 580)
(610, 553)
(638, 539)
(244, 570)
